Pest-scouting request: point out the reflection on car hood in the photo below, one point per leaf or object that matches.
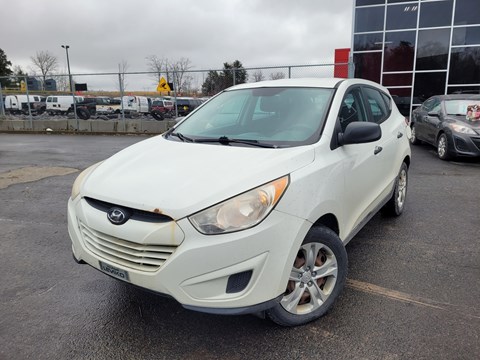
(178, 179)
(475, 124)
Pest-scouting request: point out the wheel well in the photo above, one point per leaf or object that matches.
(330, 221)
(407, 161)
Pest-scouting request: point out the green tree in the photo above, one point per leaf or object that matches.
(4, 69)
(232, 74)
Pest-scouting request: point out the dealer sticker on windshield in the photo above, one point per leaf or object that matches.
(113, 271)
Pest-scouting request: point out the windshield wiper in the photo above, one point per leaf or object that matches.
(181, 137)
(224, 140)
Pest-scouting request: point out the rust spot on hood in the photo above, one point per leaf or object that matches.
(157, 211)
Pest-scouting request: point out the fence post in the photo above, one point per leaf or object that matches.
(120, 83)
(28, 104)
(234, 73)
(175, 93)
(289, 72)
(2, 108)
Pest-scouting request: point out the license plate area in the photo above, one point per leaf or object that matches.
(114, 271)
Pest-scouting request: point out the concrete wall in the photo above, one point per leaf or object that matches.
(8, 124)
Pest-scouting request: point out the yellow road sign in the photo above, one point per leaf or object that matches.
(163, 85)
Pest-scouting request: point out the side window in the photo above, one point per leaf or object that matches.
(377, 105)
(428, 104)
(352, 108)
(436, 107)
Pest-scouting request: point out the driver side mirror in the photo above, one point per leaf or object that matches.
(360, 132)
(433, 113)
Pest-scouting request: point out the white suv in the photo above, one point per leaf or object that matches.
(246, 205)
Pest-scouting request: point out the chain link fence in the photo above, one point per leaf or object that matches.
(42, 102)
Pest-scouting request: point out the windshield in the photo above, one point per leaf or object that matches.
(277, 116)
(461, 107)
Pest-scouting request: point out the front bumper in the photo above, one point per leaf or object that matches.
(466, 145)
(195, 269)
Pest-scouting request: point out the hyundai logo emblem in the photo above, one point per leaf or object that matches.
(117, 216)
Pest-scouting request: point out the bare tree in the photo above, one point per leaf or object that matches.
(178, 70)
(45, 62)
(122, 69)
(277, 75)
(258, 76)
(158, 66)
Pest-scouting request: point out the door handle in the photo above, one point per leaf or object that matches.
(377, 150)
(399, 135)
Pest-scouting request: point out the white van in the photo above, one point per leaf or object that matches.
(19, 104)
(135, 104)
(60, 104)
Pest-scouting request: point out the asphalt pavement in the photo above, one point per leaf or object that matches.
(413, 286)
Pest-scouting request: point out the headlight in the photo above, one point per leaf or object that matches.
(81, 179)
(462, 129)
(242, 211)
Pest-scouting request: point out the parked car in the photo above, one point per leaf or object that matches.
(136, 104)
(186, 105)
(63, 105)
(161, 109)
(246, 205)
(104, 105)
(451, 123)
(18, 104)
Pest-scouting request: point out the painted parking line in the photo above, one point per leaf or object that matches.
(31, 174)
(407, 298)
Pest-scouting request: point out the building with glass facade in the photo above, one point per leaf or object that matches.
(418, 48)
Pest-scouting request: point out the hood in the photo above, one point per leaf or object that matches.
(474, 124)
(179, 179)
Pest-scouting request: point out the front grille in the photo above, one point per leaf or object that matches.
(143, 257)
(140, 215)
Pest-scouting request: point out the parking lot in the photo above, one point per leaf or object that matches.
(412, 292)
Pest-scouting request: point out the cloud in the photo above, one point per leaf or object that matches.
(102, 34)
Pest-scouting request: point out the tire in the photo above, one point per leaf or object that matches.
(396, 204)
(413, 139)
(309, 295)
(443, 147)
(157, 115)
(83, 114)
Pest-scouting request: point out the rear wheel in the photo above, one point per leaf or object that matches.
(396, 204)
(316, 279)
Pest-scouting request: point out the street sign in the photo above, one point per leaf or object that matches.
(163, 85)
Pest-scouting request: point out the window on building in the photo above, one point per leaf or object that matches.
(402, 16)
(429, 84)
(403, 79)
(469, 35)
(436, 13)
(369, 19)
(466, 12)
(367, 65)
(402, 98)
(432, 49)
(465, 65)
(369, 2)
(373, 41)
(399, 51)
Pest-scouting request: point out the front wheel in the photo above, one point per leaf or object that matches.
(316, 279)
(413, 139)
(442, 147)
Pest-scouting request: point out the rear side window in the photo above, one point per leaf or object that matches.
(379, 109)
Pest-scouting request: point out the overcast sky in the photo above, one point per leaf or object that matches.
(103, 33)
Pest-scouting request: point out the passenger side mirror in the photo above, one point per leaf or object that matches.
(360, 132)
